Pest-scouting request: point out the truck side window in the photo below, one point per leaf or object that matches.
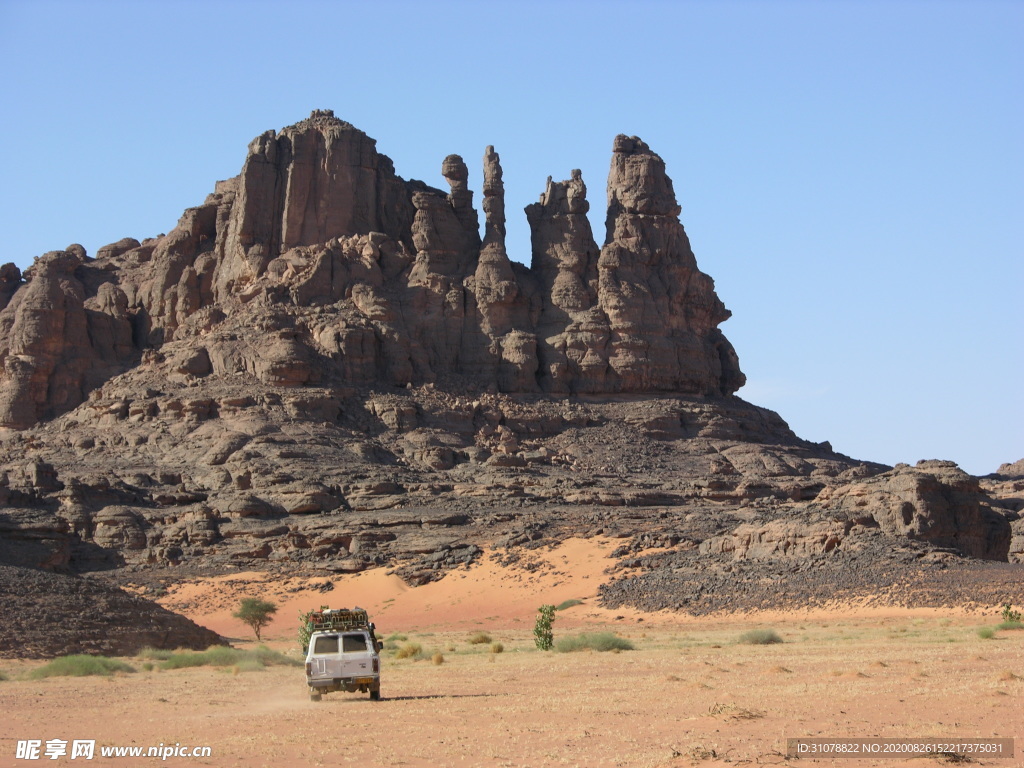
(326, 644)
(353, 643)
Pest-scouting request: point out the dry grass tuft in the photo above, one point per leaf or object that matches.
(778, 668)
(497, 648)
(437, 658)
(480, 638)
(409, 651)
(698, 753)
(760, 637)
(593, 641)
(733, 712)
(1007, 676)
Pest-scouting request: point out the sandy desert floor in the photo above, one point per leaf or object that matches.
(689, 694)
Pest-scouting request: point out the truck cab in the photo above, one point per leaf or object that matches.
(343, 654)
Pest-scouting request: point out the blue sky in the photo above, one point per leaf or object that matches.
(851, 174)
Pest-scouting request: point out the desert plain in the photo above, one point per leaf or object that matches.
(689, 693)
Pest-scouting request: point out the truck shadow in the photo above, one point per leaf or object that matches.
(437, 696)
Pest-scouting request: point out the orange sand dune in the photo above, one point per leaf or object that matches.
(486, 592)
(503, 595)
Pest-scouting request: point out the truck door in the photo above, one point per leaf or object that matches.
(326, 656)
(356, 656)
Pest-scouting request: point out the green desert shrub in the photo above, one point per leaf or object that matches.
(986, 633)
(480, 638)
(155, 654)
(79, 665)
(543, 635)
(1010, 625)
(223, 656)
(306, 627)
(760, 637)
(593, 641)
(215, 656)
(568, 604)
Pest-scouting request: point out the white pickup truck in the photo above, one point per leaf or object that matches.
(343, 655)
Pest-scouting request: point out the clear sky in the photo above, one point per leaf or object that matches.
(851, 174)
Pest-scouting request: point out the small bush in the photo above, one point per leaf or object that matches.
(1010, 625)
(1010, 615)
(986, 633)
(215, 656)
(760, 637)
(396, 637)
(497, 648)
(2, 677)
(568, 604)
(306, 627)
(593, 641)
(480, 638)
(409, 651)
(542, 633)
(79, 665)
(438, 658)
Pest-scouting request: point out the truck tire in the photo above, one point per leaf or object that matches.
(375, 694)
(315, 696)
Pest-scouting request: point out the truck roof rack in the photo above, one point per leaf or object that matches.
(339, 619)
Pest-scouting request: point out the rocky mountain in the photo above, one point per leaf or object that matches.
(325, 366)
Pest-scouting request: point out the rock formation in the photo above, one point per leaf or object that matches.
(327, 367)
(51, 614)
(317, 218)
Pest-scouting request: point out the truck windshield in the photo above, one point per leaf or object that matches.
(326, 644)
(353, 643)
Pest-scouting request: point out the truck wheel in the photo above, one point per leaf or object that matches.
(315, 697)
(375, 694)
